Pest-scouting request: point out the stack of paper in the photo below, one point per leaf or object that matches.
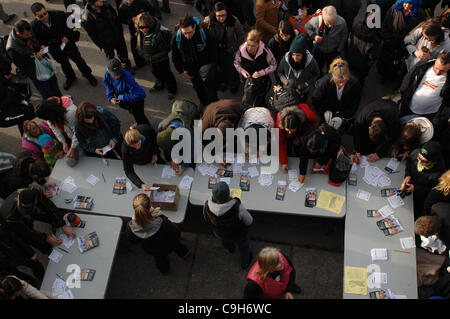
(407, 242)
(372, 175)
(68, 185)
(295, 186)
(265, 179)
(384, 181)
(396, 201)
(379, 254)
(253, 171)
(55, 256)
(362, 194)
(67, 241)
(92, 179)
(60, 289)
(226, 180)
(164, 196)
(385, 211)
(392, 165)
(168, 172)
(377, 278)
(292, 175)
(186, 182)
(203, 168)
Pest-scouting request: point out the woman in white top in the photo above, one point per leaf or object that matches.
(426, 42)
(59, 112)
(12, 287)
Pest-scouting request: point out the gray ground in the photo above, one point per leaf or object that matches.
(314, 245)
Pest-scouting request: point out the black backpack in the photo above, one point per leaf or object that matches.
(255, 91)
(340, 167)
(284, 97)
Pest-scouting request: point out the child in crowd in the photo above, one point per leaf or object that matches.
(51, 148)
(428, 228)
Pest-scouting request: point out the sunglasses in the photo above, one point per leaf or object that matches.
(422, 159)
(42, 15)
(144, 27)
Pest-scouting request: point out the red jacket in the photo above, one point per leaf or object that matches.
(271, 288)
(297, 136)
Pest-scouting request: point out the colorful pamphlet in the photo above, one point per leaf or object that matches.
(311, 197)
(87, 242)
(244, 182)
(281, 190)
(211, 182)
(87, 274)
(83, 202)
(390, 226)
(120, 185)
(387, 192)
(373, 213)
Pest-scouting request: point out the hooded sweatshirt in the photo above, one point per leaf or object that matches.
(301, 79)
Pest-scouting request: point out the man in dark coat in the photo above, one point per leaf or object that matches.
(50, 28)
(22, 208)
(194, 56)
(376, 127)
(104, 28)
(127, 11)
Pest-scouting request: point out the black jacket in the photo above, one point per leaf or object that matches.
(104, 28)
(388, 111)
(18, 176)
(325, 97)
(396, 25)
(128, 12)
(434, 196)
(51, 36)
(330, 151)
(427, 179)
(410, 84)
(191, 55)
(131, 156)
(13, 220)
(9, 94)
(22, 52)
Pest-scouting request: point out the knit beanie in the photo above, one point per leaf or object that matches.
(46, 140)
(221, 192)
(299, 44)
(431, 151)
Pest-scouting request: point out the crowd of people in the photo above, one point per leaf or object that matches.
(302, 66)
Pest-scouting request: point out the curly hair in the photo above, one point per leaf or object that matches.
(427, 226)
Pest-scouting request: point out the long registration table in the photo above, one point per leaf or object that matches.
(99, 258)
(362, 234)
(105, 201)
(262, 198)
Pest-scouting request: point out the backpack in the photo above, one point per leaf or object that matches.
(167, 35)
(182, 109)
(284, 97)
(340, 168)
(202, 34)
(255, 91)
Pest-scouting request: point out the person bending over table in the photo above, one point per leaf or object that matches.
(140, 148)
(322, 145)
(96, 128)
(423, 168)
(158, 236)
(272, 276)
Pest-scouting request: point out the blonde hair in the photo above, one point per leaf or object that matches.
(444, 183)
(254, 36)
(144, 213)
(268, 260)
(143, 18)
(339, 70)
(132, 136)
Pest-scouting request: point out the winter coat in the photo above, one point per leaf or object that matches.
(22, 52)
(108, 129)
(300, 80)
(222, 110)
(104, 28)
(264, 61)
(127, 12)
(13, 220)
(9, 94)
(51, 36)
(32, 145)
(230, 220)
(158, 238)
(411, 82)
(334, 40)
(279, 48)
(267, 18)
(388, 111)
(69, 126)
(257, 115)
(296, 137)
(329, 152)
(125, 88)
(325, 97)
(416, 41)
(153, 49)
(434, 196)
(396, 25)
(228, 35)
(191, 55)
(131, 156)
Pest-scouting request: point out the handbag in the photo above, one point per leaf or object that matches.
(44, 69)
(340, 168)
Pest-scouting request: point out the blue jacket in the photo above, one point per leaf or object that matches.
(125, 88)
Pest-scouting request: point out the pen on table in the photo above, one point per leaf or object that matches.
(104, 180)
(60, 277)
(402, 251)
(63, 250)
(393, 172)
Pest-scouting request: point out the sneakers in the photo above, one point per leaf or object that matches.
(157, 87)
(9, 18)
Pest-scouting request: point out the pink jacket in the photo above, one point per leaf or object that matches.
(261, 48)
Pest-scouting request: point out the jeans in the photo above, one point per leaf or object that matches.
(71, 52)
(165, 76)
(162, 260)
(231, 78)
(122, 52)
(243, 244)
(137, 109)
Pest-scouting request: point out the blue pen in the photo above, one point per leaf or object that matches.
(104, 180)
(60, 277)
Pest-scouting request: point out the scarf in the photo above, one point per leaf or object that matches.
(421, 168)
(297, 65)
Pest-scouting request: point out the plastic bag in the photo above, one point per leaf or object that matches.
(44, 69)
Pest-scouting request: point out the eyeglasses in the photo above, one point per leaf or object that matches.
(340, 65)
(144, 27)
(221, 15)
(41, 16)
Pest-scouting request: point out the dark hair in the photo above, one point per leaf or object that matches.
(219, 6)
(316, 141)
(187, 21)
(52, 110)
(36, 7)
(21, 26)
(286, 27)
(41, 169)
(379, 130)
(444, 57)
(5, 65)
(433, 29)
(9, 287)
(86, 110)
(410, 139)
